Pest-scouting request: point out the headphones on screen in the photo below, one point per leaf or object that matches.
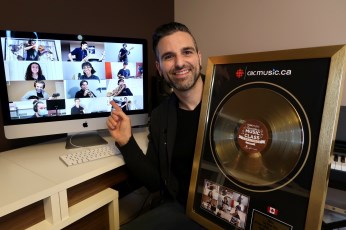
(42, 82)
(36, 104)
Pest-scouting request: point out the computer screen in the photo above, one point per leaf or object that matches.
(62, 83)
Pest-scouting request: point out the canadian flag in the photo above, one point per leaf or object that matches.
(272, 211)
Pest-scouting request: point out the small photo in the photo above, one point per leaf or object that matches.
(225, 203)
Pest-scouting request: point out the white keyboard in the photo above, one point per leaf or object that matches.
(86, 154)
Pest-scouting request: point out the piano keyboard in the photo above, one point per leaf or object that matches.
(339, 162)
(337, 177)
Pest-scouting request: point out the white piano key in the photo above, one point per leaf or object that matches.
(338, 165)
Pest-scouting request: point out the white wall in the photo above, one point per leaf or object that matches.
(223, 27)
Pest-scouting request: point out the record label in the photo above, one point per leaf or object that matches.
(252, 136)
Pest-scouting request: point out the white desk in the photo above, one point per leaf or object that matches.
(35, 173)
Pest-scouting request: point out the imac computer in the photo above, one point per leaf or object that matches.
(62, 83)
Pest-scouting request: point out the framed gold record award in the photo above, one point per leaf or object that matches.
(265, 139)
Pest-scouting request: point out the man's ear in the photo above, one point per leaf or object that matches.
(157, 64)
(200, 59)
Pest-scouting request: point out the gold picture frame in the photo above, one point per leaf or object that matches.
(307, 82)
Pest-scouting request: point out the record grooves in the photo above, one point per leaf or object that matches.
(260, 136)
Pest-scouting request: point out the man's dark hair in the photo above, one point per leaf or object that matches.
(82, 43)
(168, 29)
(82, 81)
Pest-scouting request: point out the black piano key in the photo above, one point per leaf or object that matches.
(336, 157)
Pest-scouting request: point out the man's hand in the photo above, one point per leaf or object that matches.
(119, 125)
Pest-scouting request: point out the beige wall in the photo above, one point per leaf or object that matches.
(225, 27)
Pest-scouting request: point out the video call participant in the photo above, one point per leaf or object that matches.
(140, 72)
(31, 51)
(123, 54)
(38, 92)
(80, 53)
(124, 72)
(235, 219)
(77, 108)
(88, 72)
(84, 92)
(125, 105)
(178, 61)
(40, 109)
(121, 89)
(45, 54)
(34, 72)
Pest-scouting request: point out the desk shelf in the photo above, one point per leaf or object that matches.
(107, 197)
(41, 192)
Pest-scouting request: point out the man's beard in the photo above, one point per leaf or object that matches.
(181, 84)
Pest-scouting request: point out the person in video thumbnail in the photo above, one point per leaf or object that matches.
(84, 92)
(123, 54)
(121, 89)
(77, 108)
(124, 72)
(80, 53)
(39, 108)
(38, 92)
(34, 72)
(31, 51)
(235, 217)
(125, 105)
(88, 72)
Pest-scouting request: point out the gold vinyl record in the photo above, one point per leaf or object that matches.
(257, 137)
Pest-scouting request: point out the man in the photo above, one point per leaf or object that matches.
(84, 92)
(37, 93)
(121, 89)
(80, 53)
(125, 104)
(124, 72)
(77, 108)
(123, 53)
(31, 51)
(167, 165)
(40, 109)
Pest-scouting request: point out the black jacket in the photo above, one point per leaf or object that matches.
(153, 169)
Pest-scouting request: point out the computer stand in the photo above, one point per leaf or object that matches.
(86, 139)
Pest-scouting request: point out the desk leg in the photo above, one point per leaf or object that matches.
(113, 213)
(63, 204)
(52, 209)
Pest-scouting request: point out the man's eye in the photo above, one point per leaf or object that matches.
(188, 52)
(167, 57)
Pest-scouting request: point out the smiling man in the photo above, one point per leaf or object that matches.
(167, 165)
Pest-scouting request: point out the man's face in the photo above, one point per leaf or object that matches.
(40, 108)
(178, 60)
(84, 46)
(84, 86)
(39, 87)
